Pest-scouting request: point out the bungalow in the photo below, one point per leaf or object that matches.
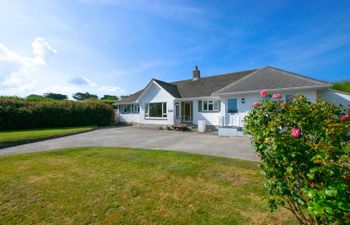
(220, 100)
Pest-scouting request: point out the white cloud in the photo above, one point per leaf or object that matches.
(111, 89)
(19, 78)
(34, 75)
(40, 49)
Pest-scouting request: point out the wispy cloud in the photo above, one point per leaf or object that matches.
(137, 69)
(82, 81)
(157, 8)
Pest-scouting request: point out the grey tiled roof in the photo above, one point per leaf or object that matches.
(270, 78)
(204, 86)
(207, 85)
(130, 99)
(243, 81)
(170, 88)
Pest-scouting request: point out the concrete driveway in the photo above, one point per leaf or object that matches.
(207, 143)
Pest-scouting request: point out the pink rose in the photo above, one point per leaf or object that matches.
(255, 104)
(277, 96)
(263, 92)
(345, 117)
(295, 132)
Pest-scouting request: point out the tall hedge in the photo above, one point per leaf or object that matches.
(18, 113)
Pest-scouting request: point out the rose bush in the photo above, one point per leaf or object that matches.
(302, 146)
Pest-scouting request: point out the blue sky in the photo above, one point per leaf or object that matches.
(117, 46)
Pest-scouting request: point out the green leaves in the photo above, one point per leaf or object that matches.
(21, 114)
(310, 172)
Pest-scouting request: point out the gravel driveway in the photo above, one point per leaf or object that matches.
(207, 143)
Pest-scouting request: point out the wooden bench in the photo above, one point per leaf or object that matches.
(180, 127)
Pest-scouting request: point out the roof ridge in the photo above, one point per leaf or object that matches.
(156, 80)
(234, 82)
(295, 74)
(218, 75)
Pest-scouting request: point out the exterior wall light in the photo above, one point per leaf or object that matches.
(243, 100)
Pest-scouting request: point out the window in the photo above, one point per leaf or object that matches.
(232, 105)
(209, 106)
(156, 110)
(177, 110)
(136, 109)
(126, 109)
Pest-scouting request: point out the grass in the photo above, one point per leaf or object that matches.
(21, 135)
(129, 186)
(342, 86)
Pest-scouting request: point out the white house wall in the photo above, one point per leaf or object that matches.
(236, 119)
(336, 98)
(156, 94)
(212, 118)
(129, 118)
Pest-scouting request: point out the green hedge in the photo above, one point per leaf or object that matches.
(18, 113)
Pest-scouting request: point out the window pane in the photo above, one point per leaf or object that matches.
(205, 105)
(232, 105)
(146, 110)
(210, 106)
(155, 109)
(177, 110)
(164, 107)
(216, 105)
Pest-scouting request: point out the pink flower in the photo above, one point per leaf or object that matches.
(263, 92)
(255, 104)
(277, 96)
(345, 117)
(295, 132)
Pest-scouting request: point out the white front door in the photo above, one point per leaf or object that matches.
(232, 112)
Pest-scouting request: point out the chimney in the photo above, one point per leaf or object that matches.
(196, 73)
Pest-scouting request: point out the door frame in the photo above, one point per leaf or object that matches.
(184, 107)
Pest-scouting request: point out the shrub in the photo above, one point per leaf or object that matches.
(20, 114)
(342, 86)
(304, 159)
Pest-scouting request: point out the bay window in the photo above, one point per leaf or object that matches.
(156, 110)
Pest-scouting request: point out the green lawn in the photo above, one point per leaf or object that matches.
(20, 135)
(128, 186)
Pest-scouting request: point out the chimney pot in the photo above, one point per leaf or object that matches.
(196, 73)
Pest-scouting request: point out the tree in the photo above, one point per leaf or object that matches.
(110, 97)
(36, 98)
(55, 96)
(302, 146)
(84, 96)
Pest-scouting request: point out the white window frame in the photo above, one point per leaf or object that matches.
(177, 110)
(164, 110)
(136, 108)
(125, 109)
(209, 103)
